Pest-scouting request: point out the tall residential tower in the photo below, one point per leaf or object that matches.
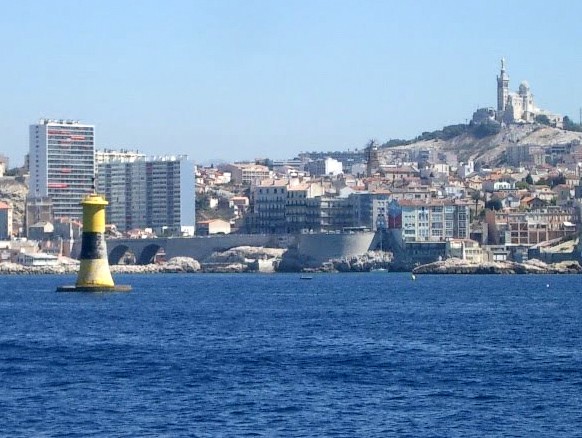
(157, 193)
(61, 161)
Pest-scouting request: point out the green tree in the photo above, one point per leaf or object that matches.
(486, 129)
(529, 179)
(543, 119)
(570, 125)
(557, 180)
(494, 204)
(395, 142)
(476, 196)
(521, 185)
(452, 131)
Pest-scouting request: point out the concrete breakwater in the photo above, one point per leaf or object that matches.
(456, 266)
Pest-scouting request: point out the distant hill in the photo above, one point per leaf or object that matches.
(488, 149)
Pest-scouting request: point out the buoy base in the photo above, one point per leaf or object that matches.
(116, 288)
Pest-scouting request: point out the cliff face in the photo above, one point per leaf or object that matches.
(490, 150)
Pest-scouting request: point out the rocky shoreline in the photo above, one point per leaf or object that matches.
(456, 266)
(232, 262)
(235, 260)
(269, 260)
(178, 265)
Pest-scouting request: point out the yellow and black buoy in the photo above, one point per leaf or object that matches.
(94, 274)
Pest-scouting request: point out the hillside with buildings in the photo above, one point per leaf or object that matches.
(515, 130)
(490, 150)
(506, 186)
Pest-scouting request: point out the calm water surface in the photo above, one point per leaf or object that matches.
(272, 355)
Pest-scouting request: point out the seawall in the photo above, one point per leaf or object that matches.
(318, 247)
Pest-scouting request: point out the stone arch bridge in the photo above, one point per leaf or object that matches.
(198, 248)
(318, 247)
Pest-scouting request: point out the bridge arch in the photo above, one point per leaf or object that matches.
(148, 254)
(119, 253)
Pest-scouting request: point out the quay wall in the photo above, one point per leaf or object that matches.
(319, 247)
(322, 247)
(198, 248)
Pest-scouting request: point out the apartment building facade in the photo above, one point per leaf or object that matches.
(157, 193)
(62, 164)
(527, 228)
(125, 155)
(434, 220)
(269, 201)
(247, 173)
(324, 166)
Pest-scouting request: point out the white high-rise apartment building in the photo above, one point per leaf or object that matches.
(124, 155)
(62, 164)
(156, 193)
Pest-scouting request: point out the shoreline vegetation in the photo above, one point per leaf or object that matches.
(236, 262)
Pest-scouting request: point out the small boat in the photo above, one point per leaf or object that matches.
(379, 270)
(306, 277)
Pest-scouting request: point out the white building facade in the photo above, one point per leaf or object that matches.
(157, 193)
(125, 155)
(62, 164)
(434, 221)
(324, 166)
(519, 107)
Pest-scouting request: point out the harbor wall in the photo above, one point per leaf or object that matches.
(323, 247)
(320, 247)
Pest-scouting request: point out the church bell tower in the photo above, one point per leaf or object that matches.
(502, 89)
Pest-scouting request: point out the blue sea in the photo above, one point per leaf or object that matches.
(340, 355)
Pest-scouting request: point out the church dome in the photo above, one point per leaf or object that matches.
(523, 87)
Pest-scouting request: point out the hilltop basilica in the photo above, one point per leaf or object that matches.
(514, 107)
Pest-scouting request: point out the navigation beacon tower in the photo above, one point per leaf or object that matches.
(94, 274)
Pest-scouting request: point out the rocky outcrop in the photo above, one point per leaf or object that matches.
(243, 254)
(178, 265)
(491, 149)
(293, 261)
(363, 263)
(175, 265)
(456, 266)
(228, 268)
(181, 264)
(138, 269)
(243, 259)
(7, 268)
(369, 261)
(235, 260)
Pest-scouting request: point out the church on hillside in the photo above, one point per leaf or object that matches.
(514, 107)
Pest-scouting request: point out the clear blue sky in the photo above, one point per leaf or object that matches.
(243, 79)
